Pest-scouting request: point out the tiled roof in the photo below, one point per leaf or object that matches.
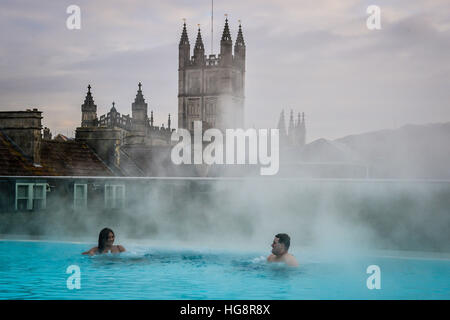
(71, 158)
(68, 158)
(60, 137)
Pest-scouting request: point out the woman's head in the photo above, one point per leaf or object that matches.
(105, 239)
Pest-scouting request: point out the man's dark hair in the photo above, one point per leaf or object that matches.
(284, 238)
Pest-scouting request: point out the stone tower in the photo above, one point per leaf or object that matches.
(295, 135)
(88, 111)
(139, 113)
(211, 89)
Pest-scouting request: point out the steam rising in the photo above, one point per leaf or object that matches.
(338, 217)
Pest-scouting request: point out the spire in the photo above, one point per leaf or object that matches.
(113, 114)
(168, 122)
(302, 129)
(239, 49)
(199, 41)
(184, 49)
(139, 96)
(184, 36)
(226, 36)
(88, 110)
(151, 118)
(282, 124)
(240, 37)
(291, 123)
(89, 101)
(226, 47)
(139, 112)
(291, 130)
(199, 49)
(298, 131)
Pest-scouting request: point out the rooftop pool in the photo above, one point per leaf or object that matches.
(38, 270)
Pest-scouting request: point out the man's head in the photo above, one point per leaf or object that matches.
(280, 244)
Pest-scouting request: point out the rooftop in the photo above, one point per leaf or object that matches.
(69, 158)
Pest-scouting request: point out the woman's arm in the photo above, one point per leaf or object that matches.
(121, 249)
(91, 252)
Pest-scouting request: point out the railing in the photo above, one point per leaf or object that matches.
(115, 119)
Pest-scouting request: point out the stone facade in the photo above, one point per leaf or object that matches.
(211, 89)
(115, 137)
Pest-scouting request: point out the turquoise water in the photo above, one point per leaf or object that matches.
(37, 270)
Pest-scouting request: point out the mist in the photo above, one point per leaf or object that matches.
(333, 217)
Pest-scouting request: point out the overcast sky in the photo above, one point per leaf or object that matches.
(314, 56)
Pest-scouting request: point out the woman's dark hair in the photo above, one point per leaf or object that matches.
(102, 238)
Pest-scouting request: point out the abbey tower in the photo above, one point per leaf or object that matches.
(211, 89)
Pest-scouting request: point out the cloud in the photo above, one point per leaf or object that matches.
(311, 56)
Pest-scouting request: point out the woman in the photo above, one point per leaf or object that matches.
(105, 244)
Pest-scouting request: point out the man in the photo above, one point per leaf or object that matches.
(280, 247)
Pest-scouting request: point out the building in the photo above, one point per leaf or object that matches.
(211, 88)
(129, 145)
(295, 134)
(28, 161)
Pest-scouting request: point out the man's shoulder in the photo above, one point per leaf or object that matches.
(271, 257)
(290, 259)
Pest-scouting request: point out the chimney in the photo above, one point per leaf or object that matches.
(24, 128)
(47, 134)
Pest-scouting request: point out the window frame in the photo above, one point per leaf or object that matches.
(84, 197)
(111, 202)
(31, 195)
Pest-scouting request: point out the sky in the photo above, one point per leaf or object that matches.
(311, 56)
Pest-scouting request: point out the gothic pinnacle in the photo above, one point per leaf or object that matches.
(88, 110)
(184, 36)
(139, 96)
(282, 124)
(89, 101)
(240, 36)
(226, 36)
(199, 41)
